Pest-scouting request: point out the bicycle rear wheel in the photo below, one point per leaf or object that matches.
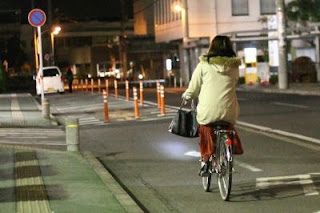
(225, 174)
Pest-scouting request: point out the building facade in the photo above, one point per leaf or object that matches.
(198, 22)
(192, 24)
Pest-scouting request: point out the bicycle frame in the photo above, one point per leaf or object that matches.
(219, 134)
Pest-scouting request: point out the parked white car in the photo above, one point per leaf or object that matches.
(52, 79)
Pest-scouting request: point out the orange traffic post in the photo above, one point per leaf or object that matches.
(86, 84)
(99, 86)
(105, 103)
(163, 109)
(91, 86)
(135, 99)
(116, 89)
(127, 90)
(107, 86)
(141, 93)
(158, 94)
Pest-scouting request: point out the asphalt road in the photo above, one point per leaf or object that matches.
(160, 170)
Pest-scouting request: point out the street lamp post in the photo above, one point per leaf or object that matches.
(52, 34)
(183, 9)
(55, 31)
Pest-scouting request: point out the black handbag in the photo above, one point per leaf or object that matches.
(185, 122)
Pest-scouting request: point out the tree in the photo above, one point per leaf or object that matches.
(303, 11)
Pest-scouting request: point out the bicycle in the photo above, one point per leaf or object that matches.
(222, 162)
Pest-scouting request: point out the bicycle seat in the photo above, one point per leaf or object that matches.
(220, 124)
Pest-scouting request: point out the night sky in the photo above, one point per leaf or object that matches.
(102, 10)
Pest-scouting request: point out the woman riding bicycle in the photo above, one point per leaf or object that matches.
(214, 83)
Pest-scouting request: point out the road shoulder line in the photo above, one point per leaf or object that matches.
(279, 132)
(291, 137)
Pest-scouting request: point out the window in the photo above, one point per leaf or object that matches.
(267, 7)
(240, 7)
(50, 73)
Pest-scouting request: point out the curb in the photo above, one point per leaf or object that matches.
(119, 193)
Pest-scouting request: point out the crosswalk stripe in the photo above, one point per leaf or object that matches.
(31, 133)
(88, 119)
(76, 107)
(27, 136)
(91, 122)
(153, 119)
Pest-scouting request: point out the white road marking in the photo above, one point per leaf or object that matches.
(280, 132)
(31, 133)
(87, 119)
(90, 122)
(78, 107)
(155, 119)
(268, 129)
(49, 143)
(193, 154)
(290, 134)
(26, 136)
(241, 164)
(304, 180)
(166, 115)
(167, 111)
(263, 128)
(247, 166)
(291, 105)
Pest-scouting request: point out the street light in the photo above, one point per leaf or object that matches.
(56, 31)
(183, 9)
(177, 7)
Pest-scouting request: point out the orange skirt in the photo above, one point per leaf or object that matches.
(207, 140)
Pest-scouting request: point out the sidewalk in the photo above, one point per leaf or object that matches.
(35, 180)
(21, 110)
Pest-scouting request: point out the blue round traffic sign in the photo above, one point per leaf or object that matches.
(37, 17)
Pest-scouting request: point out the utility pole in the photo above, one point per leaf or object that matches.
(50, 23)
(50, 13)
(282, 70)
(122, 41)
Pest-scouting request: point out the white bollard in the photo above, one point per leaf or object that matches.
(72, 134)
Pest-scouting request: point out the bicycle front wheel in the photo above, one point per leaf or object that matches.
(224, 176)
(206, 182)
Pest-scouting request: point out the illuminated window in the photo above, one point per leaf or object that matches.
(240, 7)
(267, 7)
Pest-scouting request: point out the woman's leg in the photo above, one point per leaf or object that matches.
(207, 147)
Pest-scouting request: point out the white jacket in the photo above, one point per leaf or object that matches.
(215, 85)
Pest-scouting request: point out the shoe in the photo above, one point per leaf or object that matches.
(204, 171)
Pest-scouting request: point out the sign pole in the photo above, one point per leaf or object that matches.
(40, 62)
(37, 18)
